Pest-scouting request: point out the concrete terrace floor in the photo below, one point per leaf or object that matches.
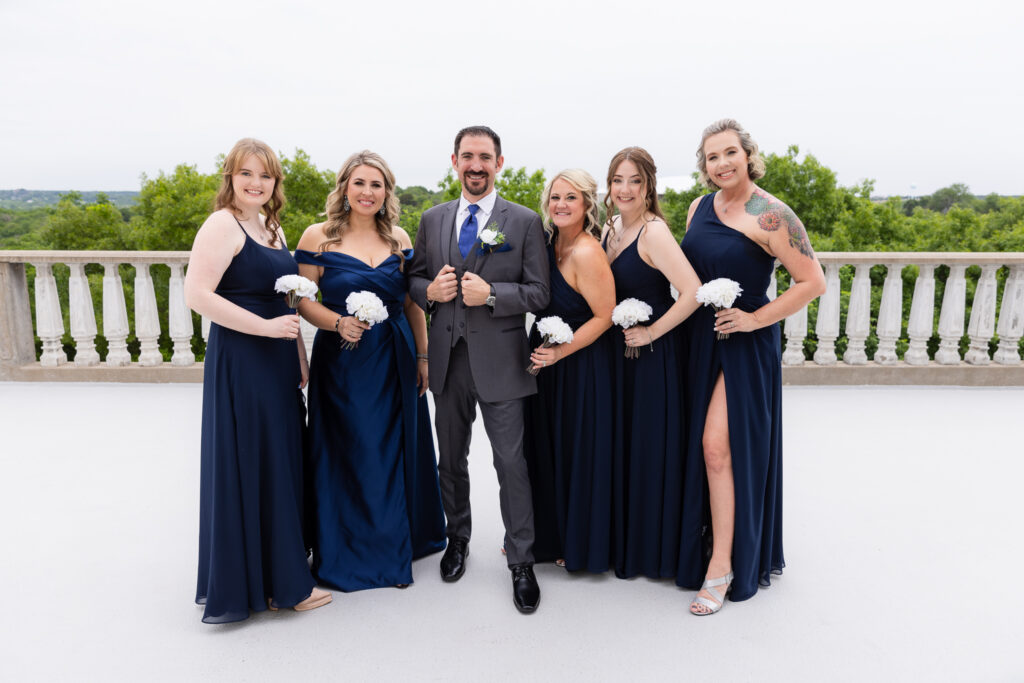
(904, 509)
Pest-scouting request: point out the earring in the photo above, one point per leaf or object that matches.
(345, 205)
(383, 210)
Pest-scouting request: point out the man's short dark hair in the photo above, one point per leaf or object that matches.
(481, 131)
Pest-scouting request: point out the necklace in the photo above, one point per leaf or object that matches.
(618, 237)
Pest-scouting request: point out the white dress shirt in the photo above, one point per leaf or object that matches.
(483, 214)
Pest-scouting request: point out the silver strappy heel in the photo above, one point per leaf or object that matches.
(709, 586)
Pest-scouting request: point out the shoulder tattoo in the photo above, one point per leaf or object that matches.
(773, 214)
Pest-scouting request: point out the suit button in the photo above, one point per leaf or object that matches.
(461, 325)
(449, 328)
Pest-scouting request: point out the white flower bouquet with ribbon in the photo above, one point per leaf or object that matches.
(719, 293)
(553, 330)
(295, 288)
(630, 312)
(366, 307)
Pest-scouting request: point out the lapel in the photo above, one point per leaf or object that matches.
(448, 229)
(499, 216)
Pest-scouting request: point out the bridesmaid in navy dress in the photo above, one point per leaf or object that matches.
(568, 443)
(376, 499)
(250, 516)
(650, 479)
(734, 385)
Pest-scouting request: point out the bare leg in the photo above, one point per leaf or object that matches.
(718, 461)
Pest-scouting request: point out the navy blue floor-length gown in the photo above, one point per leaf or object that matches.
(568, 445)
(250, 511)
(375, 494)
(649, 474)
(751, 365)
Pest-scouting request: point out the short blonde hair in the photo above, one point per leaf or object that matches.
(583, 183)
(755, 162)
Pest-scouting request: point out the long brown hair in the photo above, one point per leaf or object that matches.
(648, 171)
(336, 224)
(232, 162)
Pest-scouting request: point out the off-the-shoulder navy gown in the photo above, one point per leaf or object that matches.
(375, 493)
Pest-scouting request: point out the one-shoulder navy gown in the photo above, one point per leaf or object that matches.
(568, 445)
(751, 364)
(250, 495)
(649, 476)
(375, 494)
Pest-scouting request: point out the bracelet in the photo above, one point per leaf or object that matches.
(650, 338)
(337, 324)
(422, 356)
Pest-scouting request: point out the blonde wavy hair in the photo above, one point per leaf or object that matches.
(755, 162)
(583, 183)
(337, 224)
(644, 163)
(225, 198)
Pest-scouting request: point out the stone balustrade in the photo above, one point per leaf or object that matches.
(19, 359)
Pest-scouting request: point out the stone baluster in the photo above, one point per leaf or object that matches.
(951, 317)
(206, 329)
(49, 322)
(796, 331)
(115, 317)
(147, 320)
(773, 283)
(922, 316)
(827, 327)
(858, 316)
(179, 318)
(983, 317)
(83, 316)
(890, 315)
(1011, 318)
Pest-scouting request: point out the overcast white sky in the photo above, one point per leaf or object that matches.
(909, 94)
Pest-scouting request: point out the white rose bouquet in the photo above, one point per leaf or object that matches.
(553, 330)
(366, 307)
(629, 312)
(719, 293)
(295, 288)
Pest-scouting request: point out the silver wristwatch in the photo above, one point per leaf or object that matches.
(490, 298)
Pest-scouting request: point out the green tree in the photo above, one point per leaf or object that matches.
(76, 225)
(171, 208)
(306, 188)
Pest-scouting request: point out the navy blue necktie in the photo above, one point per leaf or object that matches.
(467, 235)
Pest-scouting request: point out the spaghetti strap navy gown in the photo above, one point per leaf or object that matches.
(375, 494)
(250, 496)
(751, 364)
(568, 445)
(649, 477)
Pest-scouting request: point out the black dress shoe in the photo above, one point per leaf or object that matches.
(453, 563)
(525, 591)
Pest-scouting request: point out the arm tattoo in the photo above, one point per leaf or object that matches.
(773, 214)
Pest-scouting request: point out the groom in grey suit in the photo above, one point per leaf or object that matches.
(478, 266)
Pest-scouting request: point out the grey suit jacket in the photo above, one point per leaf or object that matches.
(498, 346)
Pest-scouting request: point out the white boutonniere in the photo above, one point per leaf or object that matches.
(492, 239)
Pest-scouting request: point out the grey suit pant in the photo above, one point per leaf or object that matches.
(503, 420)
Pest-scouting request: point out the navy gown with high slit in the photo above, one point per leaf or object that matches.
(650, 481)
(568, 445)
(751, 365)
(250, 495)
(376, 502)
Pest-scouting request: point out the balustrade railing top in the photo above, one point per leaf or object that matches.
(902, 341)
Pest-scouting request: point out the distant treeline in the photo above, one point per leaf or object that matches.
(32, 199)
